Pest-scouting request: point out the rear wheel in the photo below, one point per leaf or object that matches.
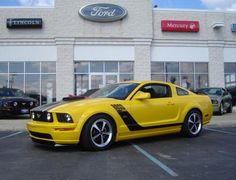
(98, 133)
(192, 126)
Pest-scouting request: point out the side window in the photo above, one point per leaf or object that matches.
(181, 92)
(157, 90)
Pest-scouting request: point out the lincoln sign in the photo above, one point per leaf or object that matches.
(24, 23)
(180, 26)
(102, 12)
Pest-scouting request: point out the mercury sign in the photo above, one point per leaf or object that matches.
(102, 12)
(180, 26)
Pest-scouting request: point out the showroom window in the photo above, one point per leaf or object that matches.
(190, 75)
(230, 74)
(96, 74)
(36, 79)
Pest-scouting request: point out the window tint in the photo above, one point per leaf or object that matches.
(181, 92)
(157, 90)
(16, 67)
(3, 67)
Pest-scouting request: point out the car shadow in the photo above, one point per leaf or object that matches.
(115, 146)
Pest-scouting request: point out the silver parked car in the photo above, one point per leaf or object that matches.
(221, 99)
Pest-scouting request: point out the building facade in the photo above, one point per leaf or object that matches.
(68, 53)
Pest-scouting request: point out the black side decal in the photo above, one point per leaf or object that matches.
(131, 123)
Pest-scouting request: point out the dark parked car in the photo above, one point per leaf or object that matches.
(221, 99)
(232, 91)
(15, 102)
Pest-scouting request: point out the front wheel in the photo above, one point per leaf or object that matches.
(98, 133)
(192, 126)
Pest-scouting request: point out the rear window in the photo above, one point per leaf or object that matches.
(181, 92)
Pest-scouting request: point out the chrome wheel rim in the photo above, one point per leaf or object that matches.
(194, 123)
(101, 133)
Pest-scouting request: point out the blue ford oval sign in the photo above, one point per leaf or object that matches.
(103, 12)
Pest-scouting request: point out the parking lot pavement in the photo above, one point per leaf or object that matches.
(210, 156)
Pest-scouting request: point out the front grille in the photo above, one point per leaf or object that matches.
(41, 116)
(41, 135)
(22, 104)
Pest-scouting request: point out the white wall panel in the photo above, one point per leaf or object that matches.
(28, 53)
(199, 54)
(230, 55)
(104, 53)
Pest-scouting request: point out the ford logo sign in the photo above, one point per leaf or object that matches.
(102, 12)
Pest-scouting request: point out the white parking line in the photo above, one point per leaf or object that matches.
(10, 135)
(220, 131)
(155, 160)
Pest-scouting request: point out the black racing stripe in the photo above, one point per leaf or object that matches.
(132, 124)
(47, 107)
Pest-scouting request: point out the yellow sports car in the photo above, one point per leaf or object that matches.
(120, 112)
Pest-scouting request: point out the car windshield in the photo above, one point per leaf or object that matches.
(116, 91)
(211, 91)
(5, 92)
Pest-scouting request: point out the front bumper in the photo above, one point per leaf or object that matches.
(14, 111)
(53, 133)
(216, 107)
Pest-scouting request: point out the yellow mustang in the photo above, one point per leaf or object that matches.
(120, 112)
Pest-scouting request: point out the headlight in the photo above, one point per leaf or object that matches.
(5, 104)
(64, 118)
(49, 117)
(33, 115)
(214, 101)
(31, 103)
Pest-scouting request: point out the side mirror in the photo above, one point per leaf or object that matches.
(142, 95)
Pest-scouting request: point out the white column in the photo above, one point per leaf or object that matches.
(65, 70)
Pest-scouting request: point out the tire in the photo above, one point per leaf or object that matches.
(230, 109)
(192, 126)
(98, 133)
(221, 109)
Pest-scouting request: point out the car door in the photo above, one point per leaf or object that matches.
(160, 109)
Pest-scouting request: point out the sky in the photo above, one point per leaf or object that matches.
(228, 5)
(27, 3)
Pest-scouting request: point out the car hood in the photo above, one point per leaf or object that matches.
(62, 106)
(214, 97)
(12, 98)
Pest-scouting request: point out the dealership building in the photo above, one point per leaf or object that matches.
(84, 44)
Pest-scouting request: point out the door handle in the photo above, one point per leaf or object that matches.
(170, 103)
